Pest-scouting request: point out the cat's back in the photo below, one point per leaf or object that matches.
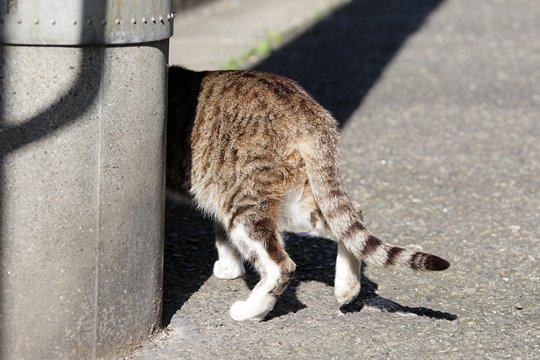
(253, 89)
(256, 105)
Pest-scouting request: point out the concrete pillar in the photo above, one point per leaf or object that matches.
(82, 131)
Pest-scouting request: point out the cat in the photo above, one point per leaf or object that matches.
(258, 155)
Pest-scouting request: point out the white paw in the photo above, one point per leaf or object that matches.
(346, 290)
(228, 270)
(243, 310)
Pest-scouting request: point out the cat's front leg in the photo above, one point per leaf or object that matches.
(229, 264)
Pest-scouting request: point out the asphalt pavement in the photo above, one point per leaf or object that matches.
(439, 106)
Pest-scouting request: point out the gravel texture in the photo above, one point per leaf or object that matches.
(439, 105)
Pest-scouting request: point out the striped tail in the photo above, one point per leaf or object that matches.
(321, 159)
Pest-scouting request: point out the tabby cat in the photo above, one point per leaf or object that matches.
(258, 155)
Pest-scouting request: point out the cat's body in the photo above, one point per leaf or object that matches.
(259, 155)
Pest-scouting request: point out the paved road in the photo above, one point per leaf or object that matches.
(439, 103)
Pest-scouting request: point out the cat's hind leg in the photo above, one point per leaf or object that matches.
(230, 264)
(303, 214)
(347, 277)
(256, 235)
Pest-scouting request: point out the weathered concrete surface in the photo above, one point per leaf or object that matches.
(210, 35)
(81, 199)
(440, 110)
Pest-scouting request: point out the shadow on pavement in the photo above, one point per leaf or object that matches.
(369, 297)
(340, 58)
(190, 256)
(315, 260)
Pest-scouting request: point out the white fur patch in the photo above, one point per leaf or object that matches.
(250, 310)
(260, 301)
(293, 215)
(228, 270)
(230, 264)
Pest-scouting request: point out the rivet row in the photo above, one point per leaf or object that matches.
(169, 16)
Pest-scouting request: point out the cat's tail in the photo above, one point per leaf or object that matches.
(321, 158)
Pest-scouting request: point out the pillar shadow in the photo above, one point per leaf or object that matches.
(68, 108)
(340, 58)
(189, 256)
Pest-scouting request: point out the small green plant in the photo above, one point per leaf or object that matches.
(271, 41)
(234, 64)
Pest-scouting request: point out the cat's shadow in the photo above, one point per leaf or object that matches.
(316, 260)
(190, 255)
